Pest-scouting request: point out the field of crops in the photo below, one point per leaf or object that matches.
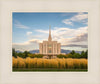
(63, 63)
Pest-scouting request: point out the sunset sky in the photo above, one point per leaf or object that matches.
(68, 28)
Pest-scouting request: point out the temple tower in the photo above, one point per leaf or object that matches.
(50, 48)
(49, 38)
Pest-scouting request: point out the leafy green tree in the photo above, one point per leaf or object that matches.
(14, 53)
(31, 55)
(86, 54)
(72, 52)
(70, 55)
(61, 56)
(35, 55)
(82, 54)
(76, 55)
(20, 54)
(38, 56)
(26, 54)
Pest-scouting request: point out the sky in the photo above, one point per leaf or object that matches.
(68, 28)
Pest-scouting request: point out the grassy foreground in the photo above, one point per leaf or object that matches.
(48, 70)
(39, 64)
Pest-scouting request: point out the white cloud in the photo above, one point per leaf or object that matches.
(65, 36)
(80, 17)
(42, 31)
(19, 25)
(74, 48)
(67, 21)
(29, 45)
(29, 33)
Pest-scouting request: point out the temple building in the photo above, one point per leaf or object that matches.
(50, 49)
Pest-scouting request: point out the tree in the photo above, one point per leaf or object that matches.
(20, 54)
(31, 55)
(38, 56)
(72, 52)
(61, 56)
(70, 55)
(82, 54)
(26, 54)
(76, 55)
(86, 54)
(14, 53)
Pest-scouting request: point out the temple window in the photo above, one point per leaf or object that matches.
(49, 46)
(49, 51)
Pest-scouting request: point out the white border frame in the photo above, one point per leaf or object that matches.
(9, 77)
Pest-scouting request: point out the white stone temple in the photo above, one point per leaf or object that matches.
(50, 49)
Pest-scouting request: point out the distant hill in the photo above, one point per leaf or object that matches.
(62, 51)
(65, 51)
(18, 51)
(34, 51)
(68, 51)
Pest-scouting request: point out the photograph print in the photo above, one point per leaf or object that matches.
(50, 41)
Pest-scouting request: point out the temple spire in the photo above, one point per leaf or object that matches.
(50, 30)
(49, 39)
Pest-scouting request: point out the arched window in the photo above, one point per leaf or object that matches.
(49, 46)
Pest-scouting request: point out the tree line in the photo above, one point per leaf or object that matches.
(72, 54)
(25, 54)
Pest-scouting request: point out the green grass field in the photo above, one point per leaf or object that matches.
(48, 70)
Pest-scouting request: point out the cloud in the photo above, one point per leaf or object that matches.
(42, 31)
(19, 25)
(28, 42)
(80, 17)
(63, 32)
(73, 45)
(29, 45)
(67, 21)
(76, 40)
(81, 37)
(29, 33)
(66, 36)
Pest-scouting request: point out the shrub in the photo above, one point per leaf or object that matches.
(31, 55)
(14, 62)
(39, 63)
(61, 56)
(83, 63)
(21, 62)
(69, 63)
(38, 56)
(61, 63)
(35, 55)
(46, 63)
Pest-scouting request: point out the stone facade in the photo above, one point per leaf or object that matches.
(50, 48)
